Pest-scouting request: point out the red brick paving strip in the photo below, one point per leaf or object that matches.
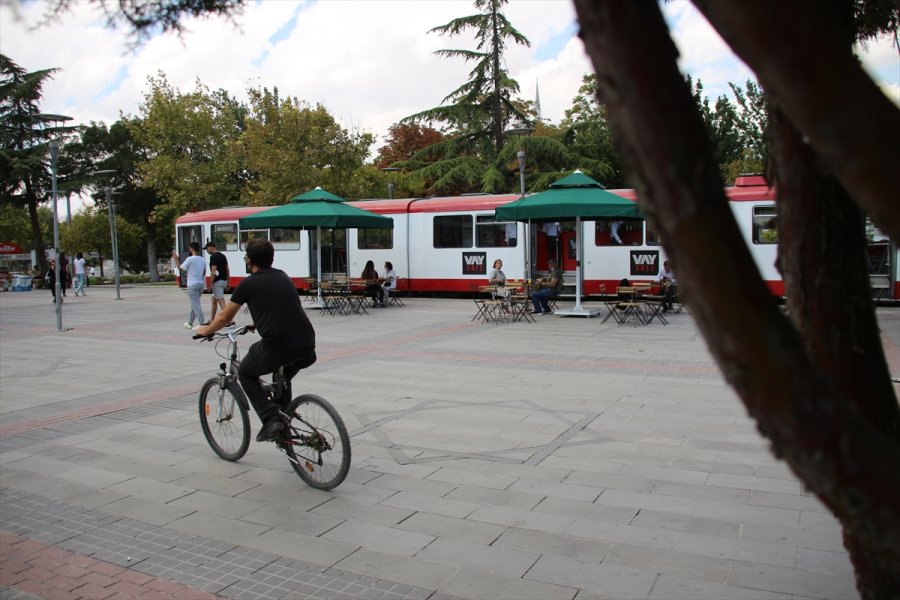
(100, 409)
(54, 573)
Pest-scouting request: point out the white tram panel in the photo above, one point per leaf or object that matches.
(380, 246)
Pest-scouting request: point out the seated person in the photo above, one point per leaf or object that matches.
(551, 286)
(497, 277)
(669, 286)
(388, 282)
(370, 276)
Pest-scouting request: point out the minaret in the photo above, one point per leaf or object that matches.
(537, 101)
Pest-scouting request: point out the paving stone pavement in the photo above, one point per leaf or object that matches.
(566, 458)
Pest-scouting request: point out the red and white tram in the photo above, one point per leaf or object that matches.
(447, 244)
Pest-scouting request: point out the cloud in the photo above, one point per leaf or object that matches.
(370, 63)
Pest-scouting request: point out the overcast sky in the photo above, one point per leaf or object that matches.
(369, 62)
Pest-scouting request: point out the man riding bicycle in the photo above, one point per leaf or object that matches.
(287, 335)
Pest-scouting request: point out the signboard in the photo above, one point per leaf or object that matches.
(645, 262)
(474, 263)
(10, 248)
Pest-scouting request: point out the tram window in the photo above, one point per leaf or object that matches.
(285, 239)
(630, 232)
(491, 234)
(652, 237)
(375, 239)
(764, 228)
(224, 236)
(249, 234)
(454, 231)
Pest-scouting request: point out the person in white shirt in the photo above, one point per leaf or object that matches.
(195, 268)
(79, 274)
(388, 282)
(669, 285)
(614, 232)
(552, 231)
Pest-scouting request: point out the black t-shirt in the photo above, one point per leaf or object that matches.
(220, 262)
(276, 310)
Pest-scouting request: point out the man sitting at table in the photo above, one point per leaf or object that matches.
(388, 283)
(550, 287)
(669, 286)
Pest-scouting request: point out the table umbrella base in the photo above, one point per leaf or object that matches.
(578, 311)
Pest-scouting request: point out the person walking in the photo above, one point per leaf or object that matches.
(218, 273)
(80, 275)
(50, 279)
(195, 268)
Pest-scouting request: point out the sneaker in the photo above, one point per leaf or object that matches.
(546, 312)
(188, 326)
(270, 431)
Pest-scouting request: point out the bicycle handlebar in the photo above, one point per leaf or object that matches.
(232, 333)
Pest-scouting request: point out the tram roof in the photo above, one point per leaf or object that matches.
(747, 188)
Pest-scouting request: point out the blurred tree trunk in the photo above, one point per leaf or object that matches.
(823, 398)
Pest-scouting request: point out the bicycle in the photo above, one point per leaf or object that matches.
(314, 438)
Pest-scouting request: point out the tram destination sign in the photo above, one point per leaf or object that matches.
(474, 263)
(644, 262)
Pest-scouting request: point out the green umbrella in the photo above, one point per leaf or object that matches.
(316, 208)
(575, 196)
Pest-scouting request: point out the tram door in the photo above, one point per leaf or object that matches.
(186, 235)
(334, 253)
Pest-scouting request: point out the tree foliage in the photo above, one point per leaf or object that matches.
(143, 18)
(189, 140)
(482, 107)
(25, 136)
(116, 149)
(289, 147)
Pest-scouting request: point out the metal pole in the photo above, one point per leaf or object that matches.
(114, 238)
(520, 156)
(57, 272)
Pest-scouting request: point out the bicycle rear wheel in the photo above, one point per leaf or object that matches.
(317, 442)
(225, 422)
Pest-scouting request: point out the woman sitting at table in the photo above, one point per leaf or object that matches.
(370, 277)
(497, 277)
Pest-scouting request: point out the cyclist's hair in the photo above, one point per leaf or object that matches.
(388, 265)
(195, 246)
(261, 252)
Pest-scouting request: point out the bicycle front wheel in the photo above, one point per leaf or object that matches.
(225, 422)
(317, 442)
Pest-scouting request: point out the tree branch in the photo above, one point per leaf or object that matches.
(852, 125)
(850, 465)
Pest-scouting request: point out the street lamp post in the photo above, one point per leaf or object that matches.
(113, 234)
(391, 187)
(520, 157)
(57, 272)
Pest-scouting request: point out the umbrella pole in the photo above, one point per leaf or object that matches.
(579, 310)
(319, 262)
(528, 250)
(318, 303)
